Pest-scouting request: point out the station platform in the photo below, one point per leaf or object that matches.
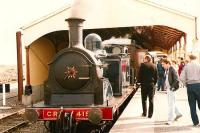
(131, 121)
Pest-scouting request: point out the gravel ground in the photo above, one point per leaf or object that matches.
(13, 103)
(37, 127)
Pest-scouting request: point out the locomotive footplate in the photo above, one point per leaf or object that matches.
(50, 113)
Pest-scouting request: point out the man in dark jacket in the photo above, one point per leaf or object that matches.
(147, 76)
(161, 73)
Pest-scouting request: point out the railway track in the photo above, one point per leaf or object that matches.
(12, 122)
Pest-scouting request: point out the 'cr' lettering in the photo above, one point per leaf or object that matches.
(49, 113)
(52, 114)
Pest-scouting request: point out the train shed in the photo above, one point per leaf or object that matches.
(147, 24)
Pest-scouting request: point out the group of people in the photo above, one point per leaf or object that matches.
(150, 74)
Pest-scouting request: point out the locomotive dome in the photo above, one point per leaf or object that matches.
(93, 42)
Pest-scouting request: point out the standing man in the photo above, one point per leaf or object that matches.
(181, 66)
(171, 84)
(147, 76)
(191, 77)
(161, 73)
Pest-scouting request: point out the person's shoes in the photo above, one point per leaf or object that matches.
(168, 123)
(143, 115)
(177, 117)
(195, 125)
(149, 116)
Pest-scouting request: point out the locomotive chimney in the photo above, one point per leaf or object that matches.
(75, 32)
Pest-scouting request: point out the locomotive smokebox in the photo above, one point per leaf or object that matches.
(75, 32)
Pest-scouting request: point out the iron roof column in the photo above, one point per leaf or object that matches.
(28, 87)
(19, 66)
(185, 43)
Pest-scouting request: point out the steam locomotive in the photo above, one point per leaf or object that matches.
(85, 84)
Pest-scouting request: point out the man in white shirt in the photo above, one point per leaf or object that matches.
(191, 77)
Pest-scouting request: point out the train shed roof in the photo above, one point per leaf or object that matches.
(155, 24)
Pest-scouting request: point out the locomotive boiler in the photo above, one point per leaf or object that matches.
(84, 85)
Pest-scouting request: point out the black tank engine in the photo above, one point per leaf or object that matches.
(87, 87)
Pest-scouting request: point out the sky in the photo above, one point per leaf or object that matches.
(17, 13)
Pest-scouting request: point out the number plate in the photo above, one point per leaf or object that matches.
(77, 113)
